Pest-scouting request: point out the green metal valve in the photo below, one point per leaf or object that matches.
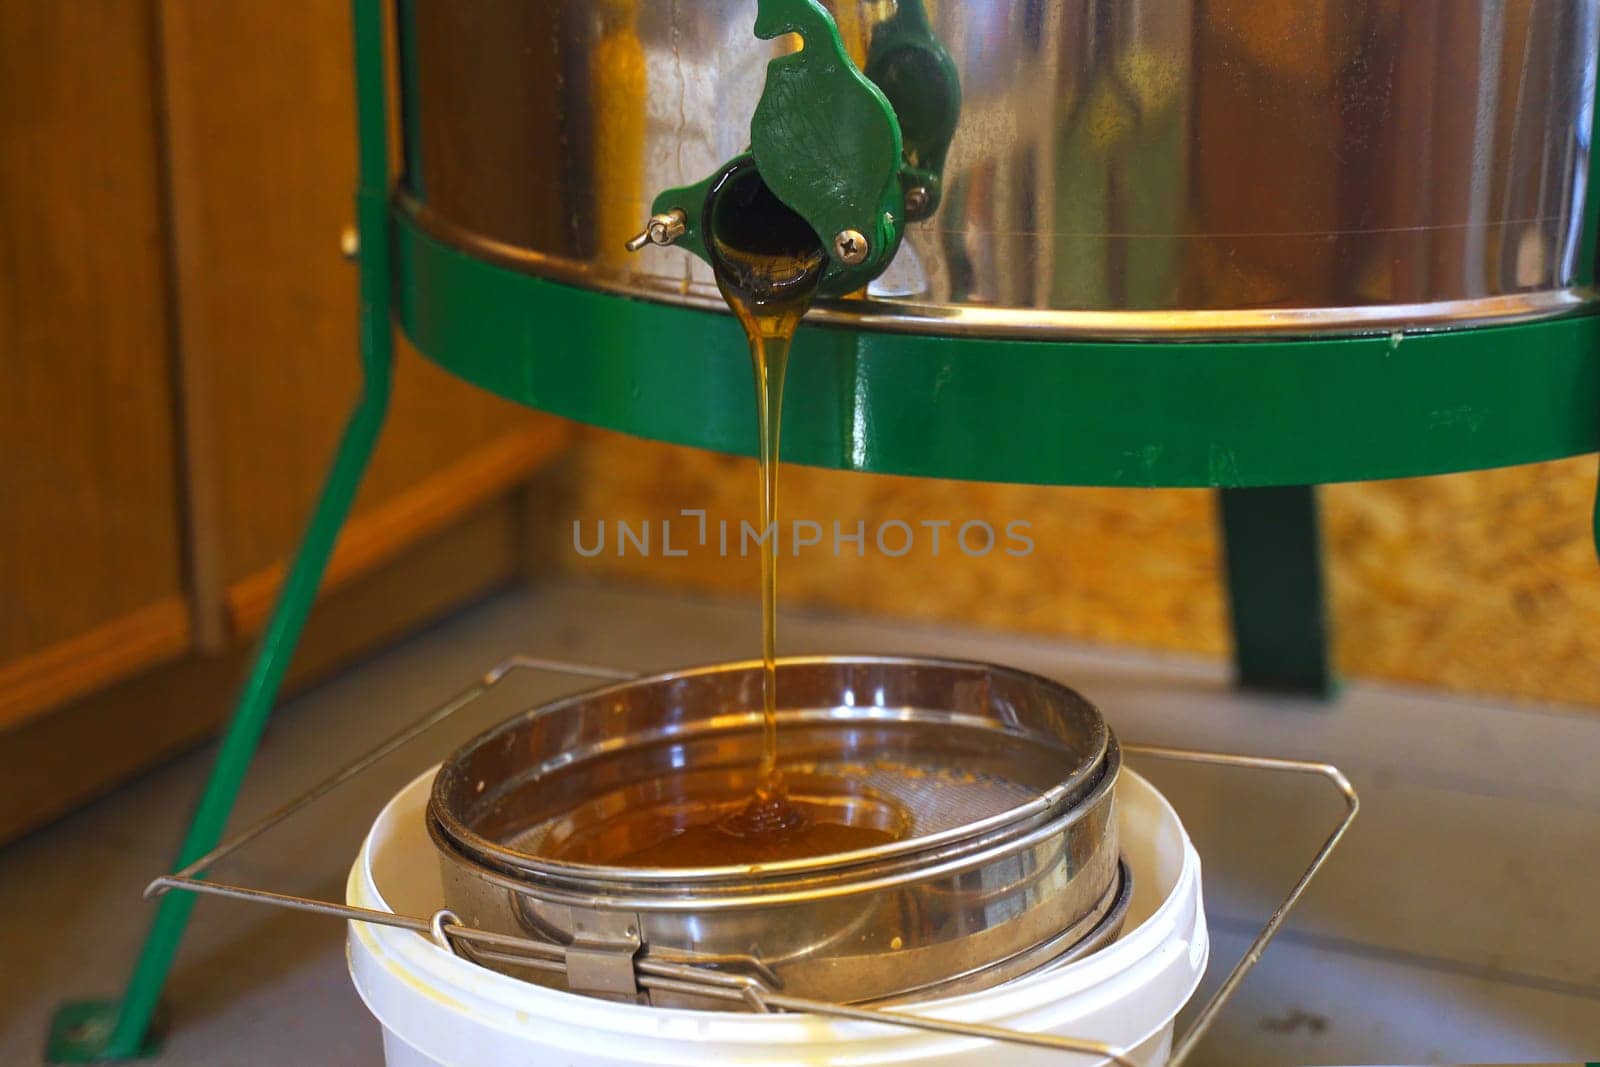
(827, 140)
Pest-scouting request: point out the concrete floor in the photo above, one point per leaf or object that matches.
(1457, 925)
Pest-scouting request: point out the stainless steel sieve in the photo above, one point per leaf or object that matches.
(1001, 782)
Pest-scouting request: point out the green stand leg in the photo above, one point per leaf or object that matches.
(89, 1031)
(1275, 587)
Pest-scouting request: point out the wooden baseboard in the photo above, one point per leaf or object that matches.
(382, 533)
(163, 632)
(136, 642)
(53, 763)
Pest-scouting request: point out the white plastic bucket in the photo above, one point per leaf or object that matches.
(438, 1010)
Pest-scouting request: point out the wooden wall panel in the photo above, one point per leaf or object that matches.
(90, 570)
(1483, 583)
(46, 769)
(178, 343)
(1113, 565)
(261, 109)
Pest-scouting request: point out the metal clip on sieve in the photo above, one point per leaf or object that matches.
(754, 989)
(601, 956)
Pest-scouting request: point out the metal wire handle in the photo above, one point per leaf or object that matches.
(450, 933)
(1185, 1045)
(397, 741)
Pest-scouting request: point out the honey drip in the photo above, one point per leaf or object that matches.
(768, 263)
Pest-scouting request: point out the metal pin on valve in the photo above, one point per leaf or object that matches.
(662, 230)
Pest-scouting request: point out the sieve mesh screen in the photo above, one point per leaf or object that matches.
(937, 798)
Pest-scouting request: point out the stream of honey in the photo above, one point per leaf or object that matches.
(768, 263)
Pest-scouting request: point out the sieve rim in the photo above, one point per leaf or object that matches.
(1069, 946)
(1081, 780)
(803, 886)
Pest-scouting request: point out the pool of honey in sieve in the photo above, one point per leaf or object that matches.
(728, 828)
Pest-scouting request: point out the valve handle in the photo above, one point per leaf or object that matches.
(827, 143)
(857, 155)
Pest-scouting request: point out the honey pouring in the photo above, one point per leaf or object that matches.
(768, 264)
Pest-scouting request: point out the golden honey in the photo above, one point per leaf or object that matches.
(723, 830)
(768, 263)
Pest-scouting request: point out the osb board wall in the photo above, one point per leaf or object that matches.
(1483, 583)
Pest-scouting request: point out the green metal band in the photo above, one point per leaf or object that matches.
(1244, 413)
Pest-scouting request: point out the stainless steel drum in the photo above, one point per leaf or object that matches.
(1119, 167)
(1001, 782)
